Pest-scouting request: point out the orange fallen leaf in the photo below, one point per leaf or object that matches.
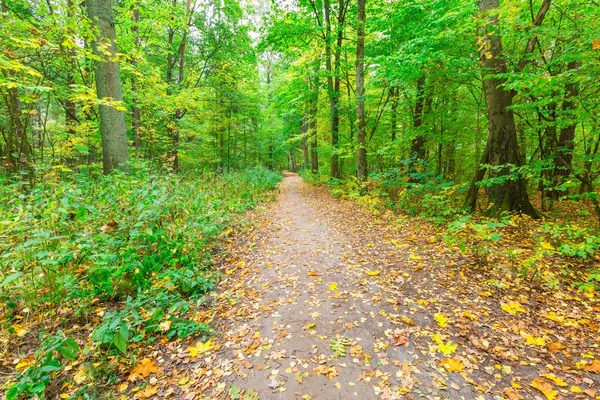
(148, 392)
(452, 365)
(143, 369)
(555, 347)
(512, 394)
(399, 340)
(545, 388)
(594, 366)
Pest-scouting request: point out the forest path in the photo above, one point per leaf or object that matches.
(415, 319)
(320, 271)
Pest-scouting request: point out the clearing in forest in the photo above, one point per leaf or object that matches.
(323, 300)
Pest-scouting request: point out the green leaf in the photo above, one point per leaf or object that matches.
(120, 342)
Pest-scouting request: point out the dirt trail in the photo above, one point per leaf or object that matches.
(310, 287)
(409, 317)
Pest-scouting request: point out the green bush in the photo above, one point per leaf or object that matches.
(138, 244)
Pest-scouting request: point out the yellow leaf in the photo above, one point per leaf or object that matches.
(512, 308)
(553, 317)
(80, 377)
(576, 389)
(372, 273)
(487, 293)
(512, 394)
(201, 348)
(148, 392)
(123, 386)
(447, 348)
(558, 381)
(452, 365)
(333, 286)
(64, 396)
(545, 388)
(441, 320)
(19, 330)
(546, 246)
(407, 320)
(310, 326)
(25, 363)
(535, 341)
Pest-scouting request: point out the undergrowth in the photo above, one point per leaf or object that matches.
(122, 259)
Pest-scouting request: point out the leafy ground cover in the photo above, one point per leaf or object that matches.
(95, 267)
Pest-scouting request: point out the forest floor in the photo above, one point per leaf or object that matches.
(324, 300)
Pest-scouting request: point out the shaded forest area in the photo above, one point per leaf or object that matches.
(136, 134)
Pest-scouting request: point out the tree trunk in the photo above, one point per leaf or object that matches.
(135, 109)
(563, 156)
(394, 117)
(509, 194)
(108, 85)
(361, 151)
(417, 148)
(312, 121)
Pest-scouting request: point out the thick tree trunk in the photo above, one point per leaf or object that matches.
(108, 85)
(305, 151)
(361, 151)
(509, 194)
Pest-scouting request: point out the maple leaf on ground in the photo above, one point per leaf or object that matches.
(143, 369)
(535, 341)
(512, 394)
(201, 348)
(148, 392)
(399, 340)
(441, 319)
(594, 366)
(452, 365)
(545, 388)
(512, 308)
(555, 347)
(407, 320)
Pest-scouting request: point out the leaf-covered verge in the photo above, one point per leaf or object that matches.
(561, 249)
(96, 266)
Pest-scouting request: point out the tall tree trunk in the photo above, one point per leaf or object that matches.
(312, 120)
(510, 193)
(417, 147)
(135, 109)
(305, 151)
(108, 85)
(563, 156)
(394, 92)
(361, 151)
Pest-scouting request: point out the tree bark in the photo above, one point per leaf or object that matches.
(108, 86)
(312, 120)
(417, 148)
(509, 193)
(135, 109)
(361, 151)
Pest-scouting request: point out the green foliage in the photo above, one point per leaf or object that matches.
(48, 361)
(474, 238)
(141, 245)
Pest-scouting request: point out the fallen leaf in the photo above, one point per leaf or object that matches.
(201, 348)
(143, 369)
(512, 308)
(399, 340)
(545, 388)
(441, 319)
(373, 273)
(452, 365)
(512, 394)
(148, 392)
